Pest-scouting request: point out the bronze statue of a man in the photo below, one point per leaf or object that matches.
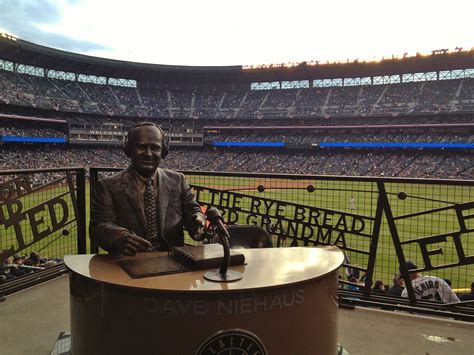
(144, 207)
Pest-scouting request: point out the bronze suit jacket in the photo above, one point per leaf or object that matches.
(118, 205)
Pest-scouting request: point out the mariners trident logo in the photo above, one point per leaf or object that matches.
(232, 341)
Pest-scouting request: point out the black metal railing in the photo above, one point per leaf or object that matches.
(42, 219)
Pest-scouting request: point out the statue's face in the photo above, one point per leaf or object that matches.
(145, 149)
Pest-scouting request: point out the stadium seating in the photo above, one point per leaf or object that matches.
(419, 102)
(442, 96)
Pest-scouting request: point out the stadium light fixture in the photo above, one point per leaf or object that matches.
(9, 36)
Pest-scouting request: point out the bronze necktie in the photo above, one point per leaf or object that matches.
(150, 212)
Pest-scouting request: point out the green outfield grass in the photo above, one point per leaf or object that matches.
(328, 194)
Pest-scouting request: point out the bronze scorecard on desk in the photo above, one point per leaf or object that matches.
(180, 259)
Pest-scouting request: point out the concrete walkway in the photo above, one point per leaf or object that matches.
(31, 320)
(365, 331)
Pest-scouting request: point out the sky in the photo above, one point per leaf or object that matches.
(243, 32)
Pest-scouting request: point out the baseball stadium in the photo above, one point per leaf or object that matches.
(372, 157)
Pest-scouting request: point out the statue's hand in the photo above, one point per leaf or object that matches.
(130, 243)
(197, 227)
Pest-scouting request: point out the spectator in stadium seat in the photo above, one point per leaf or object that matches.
(5, 268)
(397, 288)
(18, 259)
(34, 259)
(468, 296)
(353, 272)
(119, 215)
(379, 287)
(353, 286)
(430, 288)
(10, 269)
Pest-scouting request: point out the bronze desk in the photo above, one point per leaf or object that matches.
(286, 303)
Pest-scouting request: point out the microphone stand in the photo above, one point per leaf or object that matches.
(223, 275)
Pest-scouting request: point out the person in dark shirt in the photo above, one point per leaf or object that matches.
(468, 296)
(379, 287)
(397, 288)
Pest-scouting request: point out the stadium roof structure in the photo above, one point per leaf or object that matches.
(353, 69)
(24, 52)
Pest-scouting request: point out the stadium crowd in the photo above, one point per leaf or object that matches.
(52, 156)
(90, 105)
(17, 265)
(307, 138)
(13, 130)
(417, 164)
(426, 287)
(432, 97)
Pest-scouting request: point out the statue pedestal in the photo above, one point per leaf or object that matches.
(286, 303)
